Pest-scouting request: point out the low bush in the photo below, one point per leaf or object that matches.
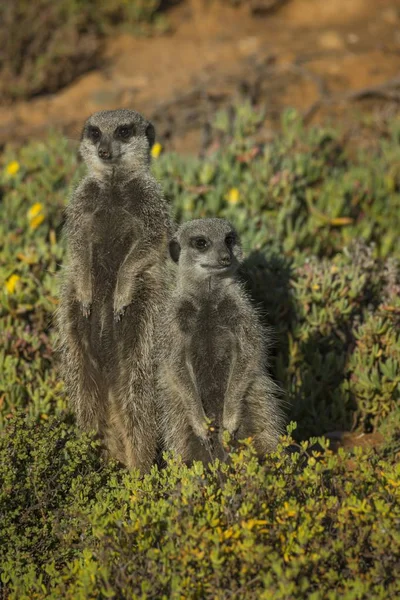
(46, 45)
(73, 527)
(319, 226)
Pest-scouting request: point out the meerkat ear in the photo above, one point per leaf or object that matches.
(174, 250)
(150, 134)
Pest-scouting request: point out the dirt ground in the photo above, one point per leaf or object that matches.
(328, 59)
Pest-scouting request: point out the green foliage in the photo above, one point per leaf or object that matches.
(302, 193)
(321, 232)
(46, 45)
(319, 226)
(73, 527)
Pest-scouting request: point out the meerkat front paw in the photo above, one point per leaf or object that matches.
(122, 299)
(86, 308)
(201, 430)
(231, 424)
(119, 313)
(84, 297)
(85, 302)
(120, 306)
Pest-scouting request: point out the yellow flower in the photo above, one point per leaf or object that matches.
(35, 215)
(156, 150)
(233, 196)
(12, 168)
(35, 222)
(11, 283)
(34, 210)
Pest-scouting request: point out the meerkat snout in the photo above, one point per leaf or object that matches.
(208, 247)
(116, 140)
(105, 149)
(225, 260)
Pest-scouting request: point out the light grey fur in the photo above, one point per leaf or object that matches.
(117, 228)
(211, 372)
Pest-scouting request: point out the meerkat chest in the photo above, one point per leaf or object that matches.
(114, 228)
(111, 226)
(212, 350)
(111, 240)
(210, 330)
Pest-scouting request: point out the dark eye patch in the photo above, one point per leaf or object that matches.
(200, 243)
(230, 240)
(94, 133)
(124, 132)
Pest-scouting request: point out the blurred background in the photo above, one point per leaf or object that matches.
(179, 61)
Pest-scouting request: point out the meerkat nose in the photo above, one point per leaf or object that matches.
(104, 153)
(224, 260)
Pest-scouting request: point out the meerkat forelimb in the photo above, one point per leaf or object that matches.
(212, 354)
(117, 228)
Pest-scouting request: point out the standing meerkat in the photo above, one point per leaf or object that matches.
(211, 365)
(117, 228)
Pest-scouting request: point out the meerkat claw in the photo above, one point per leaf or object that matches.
(118, 314)
(86, 309)
(235, 436)
(207, 443)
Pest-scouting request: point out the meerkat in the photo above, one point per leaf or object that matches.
(211, 373)
(117, 230)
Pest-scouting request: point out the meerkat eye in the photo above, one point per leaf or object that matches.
(200, 243)
(94, 133)
(124, 132)
(230, 240)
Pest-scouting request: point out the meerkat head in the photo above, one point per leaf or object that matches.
(206, 247)
(116, 141)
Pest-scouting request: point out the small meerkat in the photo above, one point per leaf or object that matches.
(211, 372)
(117, 229)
